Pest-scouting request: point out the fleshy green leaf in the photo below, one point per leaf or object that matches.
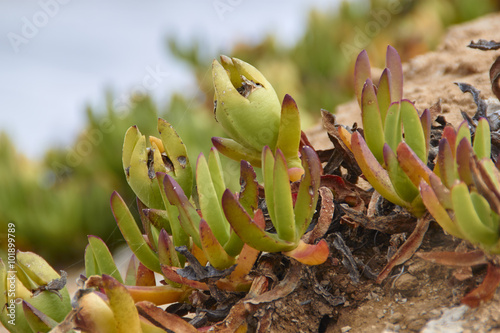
(132, 234)
(401, 182)
(213, 250)
(248, 230)
(414, 134)
(447, 166)
(249, 193)
(268, 175)
(284, 221)
(384, 94)
(236, 151)
(362, 72)
(289, 132)
(482, 139)
(372, 123)
(392, 128)
(103, 258)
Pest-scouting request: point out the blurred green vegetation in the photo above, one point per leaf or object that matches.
(56, 202)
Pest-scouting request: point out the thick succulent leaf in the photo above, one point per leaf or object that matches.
(248, 230)
(103, 258)
(401, 182)
(179, 235)
(213, 250)
(468, 220)
(122, 305)
(216, 173)
(374, 173)
(149, 230)
(130, 274)
(372, 122)
(345, 136)
(144, 276)
(464, 159)
(438, 212)
(442, 192)
(362, 72)
(132, 234)
(393, 63)
(236, 151)
(234, 244)
(310, 254)
(482, 139)
(188, 217)
(91, 267)
(384, 93)
(95, 315)
(392, 127)
(483, 210)
(414, 134)
(176, 152)
(167, 255)
(167, 321)
(171, 274)
(426, 122)
(244, 264)
(462, 132)
(158, 295)
(249, 192)
(268, 175)
(289, 132)
(135, 164)
(451, 135)
(158, 218)
(307, 195)
(284, 221)
(447, 166)
(412, 164)
(209, 201)
(484, 174)
(37, 320)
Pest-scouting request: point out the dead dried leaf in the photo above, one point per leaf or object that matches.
(486, 290)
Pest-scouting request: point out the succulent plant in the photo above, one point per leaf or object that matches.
(290, 220)
(248, 108)
(167, 154)
(463, 192)
(33, 295)
(388, 120)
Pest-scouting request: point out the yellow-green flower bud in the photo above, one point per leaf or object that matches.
(246, 104)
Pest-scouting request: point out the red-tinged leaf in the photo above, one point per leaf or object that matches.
(456, 259)
(307, 196)
(214, 252)
(325, 216)
(372, 122)
(132, 234)
(235, 151)
(146, 224)
(426, 122)
(362, 71)
(374, 173)
(486, 290)
(412, 164)
(289, 132)
(443, 194)
(393, 62)
(249, 192)
(384, 93)
(464, 159)
(310, 254)
(446, 162)
(408, 248)
(484, 180)
(450, 134)
(438, 212)
(171, 274)
(188, 216)
(248, 230)
(163, 319)
(38, 321)
(166, 250)
(145, 276)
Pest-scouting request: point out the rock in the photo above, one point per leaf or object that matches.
(345, 329)
(450, 321)
(407, 285)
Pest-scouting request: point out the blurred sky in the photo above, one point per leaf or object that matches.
(56, 56)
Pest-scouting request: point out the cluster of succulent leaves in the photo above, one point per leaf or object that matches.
(461, 192)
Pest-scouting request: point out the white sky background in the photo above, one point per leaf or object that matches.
(85, 47)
